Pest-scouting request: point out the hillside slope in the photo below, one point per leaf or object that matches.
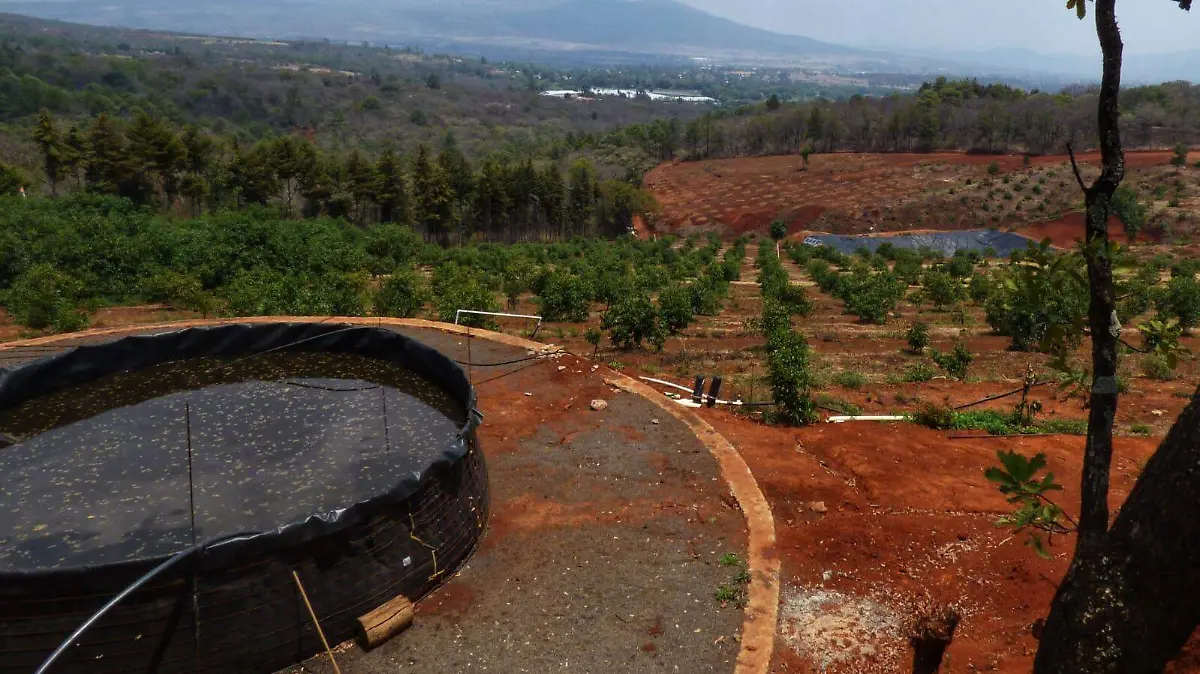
(654, 26)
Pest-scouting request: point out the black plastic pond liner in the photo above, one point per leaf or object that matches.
(412, 512)
(1004, 243)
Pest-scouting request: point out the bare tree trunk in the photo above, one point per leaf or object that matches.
(1128, 602)
(1132, 606)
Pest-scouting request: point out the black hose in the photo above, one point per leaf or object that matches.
(133, 587)
(507, 362)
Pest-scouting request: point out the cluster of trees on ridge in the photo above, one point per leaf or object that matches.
(951, 115)
(188, 171)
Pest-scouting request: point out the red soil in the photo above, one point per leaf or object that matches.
(909, 515)
(1068, 231)
(735, 196)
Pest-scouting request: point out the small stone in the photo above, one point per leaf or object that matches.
(561, 368)
(1158, 413)
(826, 576)
(529, 394)
(654, 421)
(598, 405)
(817, 507)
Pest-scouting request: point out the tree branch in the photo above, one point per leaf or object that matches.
(1075, 167)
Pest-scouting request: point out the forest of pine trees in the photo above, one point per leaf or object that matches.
(187, 171)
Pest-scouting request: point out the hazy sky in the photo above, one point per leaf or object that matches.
(1148, 26)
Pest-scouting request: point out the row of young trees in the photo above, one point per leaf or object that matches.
(1038, 298)
(789, 357)
(152, 162)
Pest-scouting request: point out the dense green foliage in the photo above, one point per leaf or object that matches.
(43, 297)
(871, 294)
(957, 362)
(95, 250)
(1180, 301)
(675, 306)
(400, 295)
(633, 320)
(565, 297)
(917, 337)
(1038, 298)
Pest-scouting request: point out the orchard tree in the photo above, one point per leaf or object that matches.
(1128, 601)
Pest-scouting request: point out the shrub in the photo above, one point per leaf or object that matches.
(942, 289)
(1181, 301)
(1157, 366)
(993, 169)
(776, 318)
(708, 291)
(565, 297)
(633, 320)
(908, 268)
(838, 405)
(1039, 297)
(264, 292)
(918, 373)
(675, 306)
(918, 337)
(932, 415)
(957, 362)
(788, 361)
(795, 299)
(401, 295)
(961, 265)
(779, 230)
(44, 297)
(457, 288)
(390, 246)
(850, 379)
(871, 295)
(177, 291)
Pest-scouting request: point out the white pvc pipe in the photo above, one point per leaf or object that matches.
(688, 391)
(839, 420)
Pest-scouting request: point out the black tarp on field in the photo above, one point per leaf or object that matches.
(344, 453)
(1003, 243)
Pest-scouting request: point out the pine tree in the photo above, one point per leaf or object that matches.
(76, 153)
(492, 201)
(106, 163)
(581, 197)
(251, 176)
(157, 151)
(391, 189)
(554, 199)
(433, 198)
(200, 152)
(53, 149)
(360, 183)
(292, 160)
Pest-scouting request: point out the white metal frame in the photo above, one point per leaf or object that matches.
(458, 315)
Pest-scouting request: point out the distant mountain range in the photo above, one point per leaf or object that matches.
(639, 26)
(579, 30)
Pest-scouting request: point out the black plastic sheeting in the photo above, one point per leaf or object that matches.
(947, 243)
(365, 490)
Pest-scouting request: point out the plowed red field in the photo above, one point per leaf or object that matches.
(857, 193)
